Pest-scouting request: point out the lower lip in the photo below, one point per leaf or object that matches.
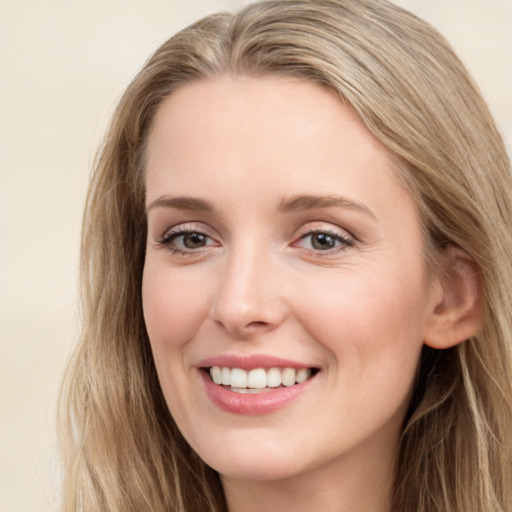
(252, 404)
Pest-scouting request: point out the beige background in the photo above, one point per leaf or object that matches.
(63, 66)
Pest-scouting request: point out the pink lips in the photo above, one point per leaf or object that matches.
(250, 362)
(265, 402)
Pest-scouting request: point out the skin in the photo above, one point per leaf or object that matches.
(359, 312)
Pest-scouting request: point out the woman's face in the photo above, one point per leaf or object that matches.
(279, 236)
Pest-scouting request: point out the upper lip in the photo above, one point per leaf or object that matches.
(250, 362)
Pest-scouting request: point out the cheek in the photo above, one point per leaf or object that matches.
(366, 317)
(173, 307)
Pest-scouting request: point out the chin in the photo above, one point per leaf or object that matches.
(263, 469)
(263, 461)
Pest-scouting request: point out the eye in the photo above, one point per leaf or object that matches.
(183, 240)
(192, 240)
(324, 241)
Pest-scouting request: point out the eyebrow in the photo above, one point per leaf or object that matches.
(299, 203)
(302, 203)
(182, 203)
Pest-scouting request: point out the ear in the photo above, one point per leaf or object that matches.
(456, 313)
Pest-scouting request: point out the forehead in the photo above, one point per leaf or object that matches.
(248, 101)
(258, 134)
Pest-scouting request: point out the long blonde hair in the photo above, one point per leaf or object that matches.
(121, 448)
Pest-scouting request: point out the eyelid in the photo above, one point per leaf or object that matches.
(347, 240)
(344, 239)
(169, 240)
(183, 228)
(324, 227)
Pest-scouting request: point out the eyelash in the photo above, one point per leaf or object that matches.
(170, 236)
(344, 242)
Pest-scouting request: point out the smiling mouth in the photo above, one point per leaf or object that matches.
(258, 380)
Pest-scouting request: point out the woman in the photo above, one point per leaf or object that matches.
(296, 281)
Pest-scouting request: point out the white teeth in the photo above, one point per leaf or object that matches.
(288, 377)
(302, 375)
(226, 376)
(238, 378)
(274, 378)
(259, 378)
(216, 374)
(246, 391)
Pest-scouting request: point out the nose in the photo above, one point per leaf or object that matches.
(249, 299)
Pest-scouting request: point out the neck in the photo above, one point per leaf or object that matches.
(349, 487)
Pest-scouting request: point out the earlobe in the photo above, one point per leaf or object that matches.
(456, 313)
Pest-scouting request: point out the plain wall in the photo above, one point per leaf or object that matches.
(63, 66)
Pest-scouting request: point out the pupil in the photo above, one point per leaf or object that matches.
(194, 240)
(323, 241)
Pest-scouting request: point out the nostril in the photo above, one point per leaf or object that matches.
(257, 324)
(244, 330)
